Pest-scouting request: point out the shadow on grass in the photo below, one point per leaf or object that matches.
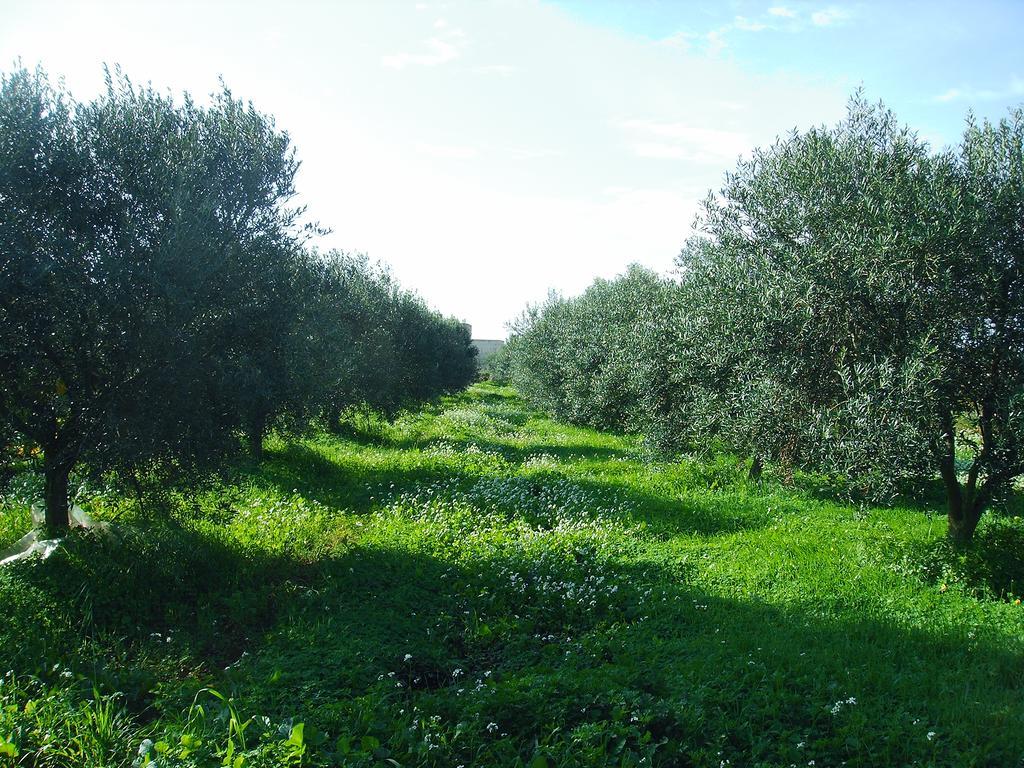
(302, 469)
(494, 394)
(927, 496)
(763, 676)
(553, 652)
(517, 454)
(990, 567)
(107, 598)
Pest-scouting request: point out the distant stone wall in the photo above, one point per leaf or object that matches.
(487, 347)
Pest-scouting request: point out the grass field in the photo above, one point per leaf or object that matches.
(477, 585)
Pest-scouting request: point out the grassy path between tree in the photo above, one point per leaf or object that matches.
(477, 585)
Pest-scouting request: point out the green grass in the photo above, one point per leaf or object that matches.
(477, 585)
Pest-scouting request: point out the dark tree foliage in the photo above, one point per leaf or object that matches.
(156, 300)
(855, 307)
(257, 289)
(381, 347)
(595, 359)
(803, 293)
(852, 303)
(143, 242)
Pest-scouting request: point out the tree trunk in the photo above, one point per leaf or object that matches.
(257, 428)
(334, 420)
(961, 530)
(756, 468)
(56, 469)
(137, 487)
(965, 506)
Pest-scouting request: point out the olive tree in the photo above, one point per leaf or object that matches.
(380, 346)
(133, 240)
(597, 359)
(852, 304)
(980, 384)
(354, 299)
(259, 294)
(86, 192)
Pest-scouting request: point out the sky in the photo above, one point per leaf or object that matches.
(491, 150)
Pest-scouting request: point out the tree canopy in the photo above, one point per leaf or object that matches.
(157, 298)
(851, 303)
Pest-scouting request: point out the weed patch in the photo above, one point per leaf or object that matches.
(473, 584)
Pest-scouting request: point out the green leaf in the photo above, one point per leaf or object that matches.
(190, 742)
(369, 743)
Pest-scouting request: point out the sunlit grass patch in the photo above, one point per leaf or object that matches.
(475, 584)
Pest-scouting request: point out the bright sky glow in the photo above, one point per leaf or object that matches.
(489, 150)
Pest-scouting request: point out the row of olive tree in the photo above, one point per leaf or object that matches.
(158, 300)
(597, 359)
(381, 346)
(853, 302)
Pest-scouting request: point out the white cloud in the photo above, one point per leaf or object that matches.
(504, 70)
(683, 141)
(711, 43)
(662, 151)
(782, 11)
(732, 106)
(448, 151)
(527, 153)
(438, 52)
(715, 42)
(1013, 89)
(748, 25)
(441, 48)
(829, 17)
(490, 170)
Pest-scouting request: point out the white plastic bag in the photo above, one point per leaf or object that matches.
(31, 544)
